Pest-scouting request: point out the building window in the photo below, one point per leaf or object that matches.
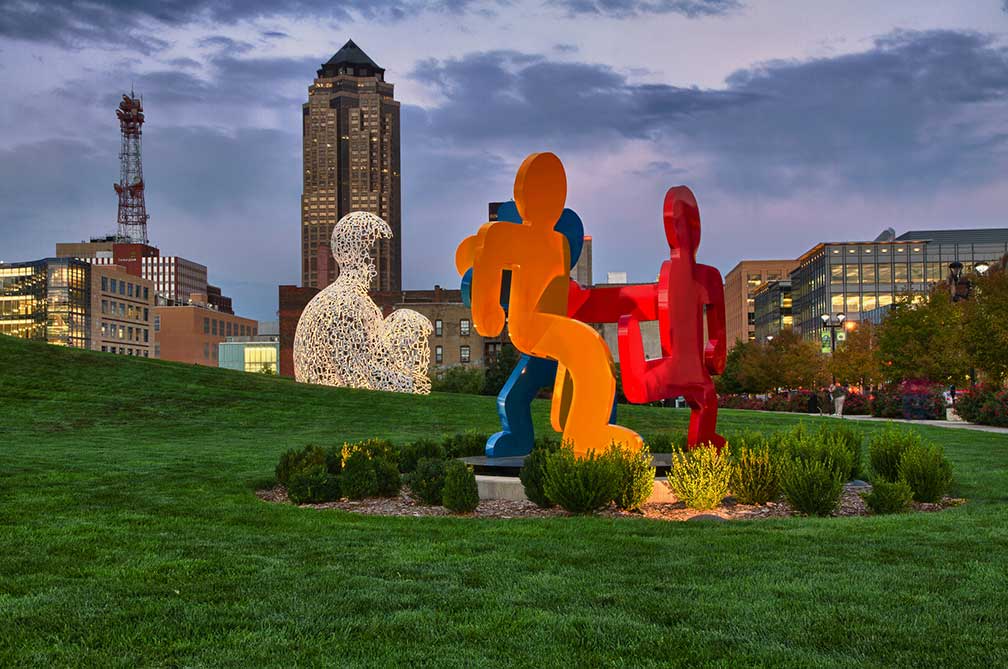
(206, 351)
(104, 283)
(439, 354)
(112, 285)
(229, 329)
(104, 306)
(146, 315)
(157, 349)
(464, 326)
(122, 287)
(464, 353)
(438, 327)
(130, 291)
(146, 293)
(157, 323)
(206, 326)
(146, 335)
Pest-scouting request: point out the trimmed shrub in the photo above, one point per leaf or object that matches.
(359, 479)
(311, 483)
(635, 477)
(985, 404)
(926, 471)
(373, 449)
(886, 402)
(580, 485)
(811, 486)
(533, 472)
(886, 449)
(755, 477)
(848, 438)
(294, 459)
(465, 444)
(701, 477)
(856, 404)
(824, 446)
(889, 497)
(427, 482)
(387, 476)
(410, 454)
(460, 493)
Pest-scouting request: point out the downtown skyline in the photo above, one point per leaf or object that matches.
(792, 126)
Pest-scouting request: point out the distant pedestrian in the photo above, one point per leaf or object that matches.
(839, 395)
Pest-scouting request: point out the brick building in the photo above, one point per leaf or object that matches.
(192, 333)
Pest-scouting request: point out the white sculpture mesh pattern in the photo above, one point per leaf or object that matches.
(342, 339)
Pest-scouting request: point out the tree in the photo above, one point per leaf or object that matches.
(856, 359)
(460, 379)
(786, 362)
(728, 381)
(923, 339)
(985, 324)
(499, 370)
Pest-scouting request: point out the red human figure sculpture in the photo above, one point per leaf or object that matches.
(686, 293)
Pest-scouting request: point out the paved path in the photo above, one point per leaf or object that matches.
(957, 424)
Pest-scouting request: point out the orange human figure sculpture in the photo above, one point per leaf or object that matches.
(538, 258)
(687, 292)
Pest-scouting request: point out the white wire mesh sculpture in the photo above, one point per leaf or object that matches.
(342, 339)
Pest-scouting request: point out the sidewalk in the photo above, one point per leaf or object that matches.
(956, 424)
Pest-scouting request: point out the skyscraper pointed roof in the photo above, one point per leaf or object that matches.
(351, 57)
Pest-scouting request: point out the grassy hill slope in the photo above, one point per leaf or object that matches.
(131, 537)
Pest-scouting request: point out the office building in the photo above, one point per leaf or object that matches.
(772, 305)
(68, 302)
(863, 279)
(740, 289)
(192, 333)
(259, 354)
(350, 132)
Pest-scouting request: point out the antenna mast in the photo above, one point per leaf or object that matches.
(132, 219)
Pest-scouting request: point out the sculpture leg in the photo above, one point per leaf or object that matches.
(514, 406)
(564, 388)
(703, 417)
(586, 358)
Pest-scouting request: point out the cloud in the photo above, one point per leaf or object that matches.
(631, 8)
(914, 111)
(222, 43)
(77, 23)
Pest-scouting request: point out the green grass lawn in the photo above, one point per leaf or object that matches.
(130, 536)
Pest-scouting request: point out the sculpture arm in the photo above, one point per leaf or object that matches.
(606, 305)
(491, 259)
(716, 350)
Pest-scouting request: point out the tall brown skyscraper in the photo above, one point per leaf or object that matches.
(351, 163)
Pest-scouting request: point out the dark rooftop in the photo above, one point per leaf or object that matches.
(352, 56)
(968, 236)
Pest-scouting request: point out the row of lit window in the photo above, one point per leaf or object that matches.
(123, 310)
(126, 351)
(465, 354)
(127, 332)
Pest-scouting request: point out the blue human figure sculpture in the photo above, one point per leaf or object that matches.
(514, 402)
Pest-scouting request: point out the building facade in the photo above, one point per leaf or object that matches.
(350, 131)
(862, 280)
(773, 309)
(260, 354)
(740, 290)
(69, 302)
(192, 333)
(121, 312)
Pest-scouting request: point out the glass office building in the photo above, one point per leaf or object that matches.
(47, 300)
(772, 309)
(250, 355)
(863, 279)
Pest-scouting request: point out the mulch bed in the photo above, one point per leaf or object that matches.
(851, 504)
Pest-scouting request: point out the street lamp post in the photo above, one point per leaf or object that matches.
(833, 323)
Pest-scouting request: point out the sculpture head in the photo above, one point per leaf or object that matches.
(540, 190)
(353, 238)
(682, 221)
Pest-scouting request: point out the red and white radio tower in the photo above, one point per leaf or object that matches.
(132, 210)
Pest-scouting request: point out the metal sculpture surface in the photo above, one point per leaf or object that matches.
(530, 374)
(342, 339)
(686, 293)
(538, 258)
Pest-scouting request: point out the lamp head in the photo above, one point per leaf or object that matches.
(840, 318)
(825, 318)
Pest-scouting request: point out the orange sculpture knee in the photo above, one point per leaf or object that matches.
(538, 258)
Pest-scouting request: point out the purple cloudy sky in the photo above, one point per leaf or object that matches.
(793, 122)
